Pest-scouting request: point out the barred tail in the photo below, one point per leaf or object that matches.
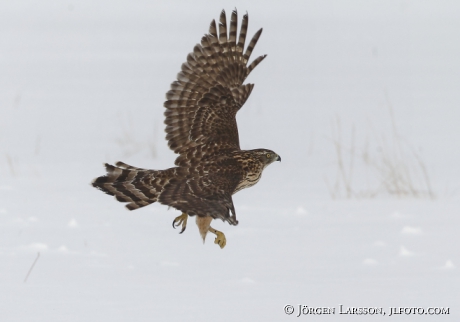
(139, 187)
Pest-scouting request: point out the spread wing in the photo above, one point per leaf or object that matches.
(202, 103)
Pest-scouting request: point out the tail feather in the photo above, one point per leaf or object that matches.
(138, 187)
(127, 166)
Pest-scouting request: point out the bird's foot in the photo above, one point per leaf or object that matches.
(220, 237)
(180, 220)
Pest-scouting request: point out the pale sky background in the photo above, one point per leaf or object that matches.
(72, 70)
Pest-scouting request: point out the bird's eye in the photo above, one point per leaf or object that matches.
(268, 155)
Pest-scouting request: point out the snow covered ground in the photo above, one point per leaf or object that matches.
(83, 83)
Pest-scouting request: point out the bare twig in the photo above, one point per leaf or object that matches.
(32, 267)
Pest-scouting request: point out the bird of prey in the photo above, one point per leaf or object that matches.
(201, 128)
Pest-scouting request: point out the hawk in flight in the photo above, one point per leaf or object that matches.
(201, 128)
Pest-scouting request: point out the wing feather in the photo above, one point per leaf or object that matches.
(202, 103)
(252, 45)
(243, 32)
(232, 34)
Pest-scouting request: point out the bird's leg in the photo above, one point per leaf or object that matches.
(180, 220)
(220, 237)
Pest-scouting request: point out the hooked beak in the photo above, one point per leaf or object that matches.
(278, 158)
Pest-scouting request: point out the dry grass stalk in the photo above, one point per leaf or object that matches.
(399, 173)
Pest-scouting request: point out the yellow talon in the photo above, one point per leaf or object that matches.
(180, 220)
(220, 237)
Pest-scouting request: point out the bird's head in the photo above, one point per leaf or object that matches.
(266, 156)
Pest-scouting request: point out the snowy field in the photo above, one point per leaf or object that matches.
(357, 94)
